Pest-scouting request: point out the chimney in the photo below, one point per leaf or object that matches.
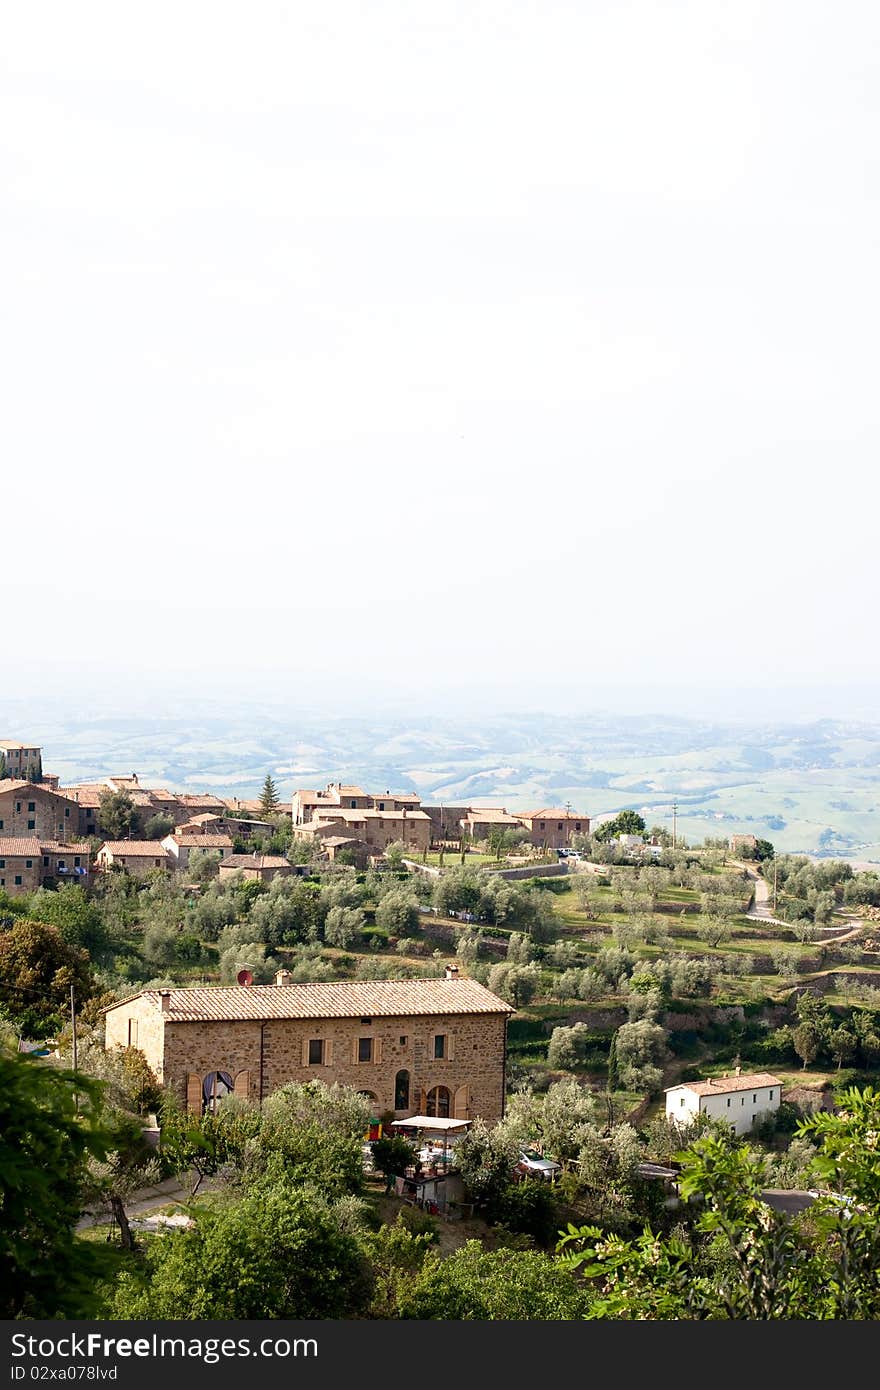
(738, 1071)
(451, 972)
(283, 977)
(165, 1000)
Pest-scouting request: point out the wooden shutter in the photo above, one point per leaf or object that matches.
(377, 1049)
(354, 1050)
(462, 1103)
(194, 1094)
(450, 1047)
(305, 1052)
(242, 1085)
(328, 1053)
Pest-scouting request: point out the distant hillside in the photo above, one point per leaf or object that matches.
(810, 788)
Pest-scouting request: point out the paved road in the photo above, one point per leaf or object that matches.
(760, 911)
(148, 1199)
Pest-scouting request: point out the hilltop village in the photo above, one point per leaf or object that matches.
(485, 1026)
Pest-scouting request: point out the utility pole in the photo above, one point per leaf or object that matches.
(73, 1026)
(674, 815)
(774, 883)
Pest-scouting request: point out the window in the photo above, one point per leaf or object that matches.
(32, 825)
(89, 813)
(542, 826)
(45, 861)
(754, 1100)
(559, 826)
(403, 1044)
(29, 863)
(681, 1102)
(366, 1020)
(728, 1102)
(132, 1032)
(18, 805)
(438, 1102)
(2, 863)
(1, 825)
(316, 1052)
(76, 861)
(743, 1101)
(401, 1091)
(577, 825)
(2, 882)
(18, 879)
(32, 806)
(67, 811)
(439, 1046)
(771, 1095)
(365, 1049)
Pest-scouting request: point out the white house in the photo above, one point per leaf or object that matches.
(740, 1099)
(180, 844)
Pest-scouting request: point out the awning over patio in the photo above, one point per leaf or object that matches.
(430, 1122)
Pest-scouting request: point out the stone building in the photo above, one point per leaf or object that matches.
(263, 867)
(434, 1047)
(22, 760)
(27, 864)
(553, 828)
(136, 857)
(32, 809)
(377, 829)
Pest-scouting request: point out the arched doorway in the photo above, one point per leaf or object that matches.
(438, 1102)
(401, 1091)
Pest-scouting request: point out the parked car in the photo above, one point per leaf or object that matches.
(531, 1164)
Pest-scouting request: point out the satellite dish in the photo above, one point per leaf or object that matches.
(245, 977)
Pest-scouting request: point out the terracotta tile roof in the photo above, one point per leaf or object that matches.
(479, 814)
(135, 849)
(8, 745)
(256, 861)
(552, 813)
(201, 800)
(86, 793)
(723, 1085)
(355, 999)
(346, 790)
(16, 784)
(20, 846)
(197, 839)
(78, 847)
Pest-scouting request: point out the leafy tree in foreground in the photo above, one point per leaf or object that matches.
(501, 1285)
(37, 968)
(754, 1263)
(45, 1145)
(279, 1252)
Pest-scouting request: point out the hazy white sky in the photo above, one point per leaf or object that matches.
(508, 352)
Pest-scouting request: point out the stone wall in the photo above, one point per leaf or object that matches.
(277, 1050)
(34, 811)
(146, 1031)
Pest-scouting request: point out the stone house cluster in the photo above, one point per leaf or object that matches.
(45, 828)
(346, 817)
(428, 1047)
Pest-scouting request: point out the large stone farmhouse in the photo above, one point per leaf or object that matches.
(432, 1047)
